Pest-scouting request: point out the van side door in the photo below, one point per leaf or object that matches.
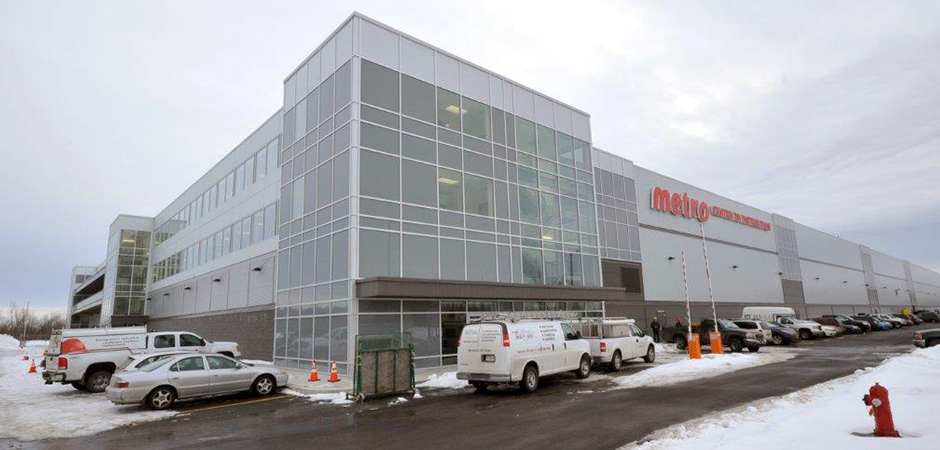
(639, 346)
(551, 348)
(572, 351)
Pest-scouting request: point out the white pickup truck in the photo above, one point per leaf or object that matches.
(614, 340)
(86, 358)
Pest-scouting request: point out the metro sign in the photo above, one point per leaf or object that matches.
(684, 206)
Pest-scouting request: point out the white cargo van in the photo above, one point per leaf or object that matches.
(510, 351)
(86, 358)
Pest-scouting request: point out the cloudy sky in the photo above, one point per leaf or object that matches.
(826, 112)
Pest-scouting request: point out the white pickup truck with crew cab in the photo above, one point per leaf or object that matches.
(86, 358)
(614, 340)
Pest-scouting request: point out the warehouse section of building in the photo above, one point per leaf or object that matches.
(401, 188)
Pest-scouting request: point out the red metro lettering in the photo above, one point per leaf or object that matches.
(690, 208)
(680, 205)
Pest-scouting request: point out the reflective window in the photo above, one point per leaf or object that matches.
(582, 155)
(448, 109)
(419, 257)
(554, 271)
(452, 259)
(525, 135)
(379, 138)
(379, 175)
(269, 223)
(476, 119)
(572, 262)
(479, 195)
(191, 340)
(379, 254)
(547, 143)
(379, 86)
(257, 233)
(551, 216)
(450, 189)
(417, 183)
(187, 364)
(531, 266)
(164, 341)
(343, 85)
(481, 262)
(219, 362)
(587, 217)
(569, 214)
(529, 205)
(565, 148)
(417, 99)
(417, 148)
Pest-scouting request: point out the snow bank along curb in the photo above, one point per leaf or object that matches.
(822, 416)
(31, 410)
(694, 369)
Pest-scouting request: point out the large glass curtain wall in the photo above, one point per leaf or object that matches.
(618, 224)
(435, 326)
(313, 283)
(130, 285)
(452, 188)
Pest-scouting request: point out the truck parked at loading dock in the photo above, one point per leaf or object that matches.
(732, 336)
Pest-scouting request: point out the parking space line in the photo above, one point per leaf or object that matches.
(227, 405)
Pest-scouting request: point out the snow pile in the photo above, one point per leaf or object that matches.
(696, 369)
(446, 380)
(398, 401)
(8, 342)
(338, 398)
(32, 410)
(39, 343)
(825, 415)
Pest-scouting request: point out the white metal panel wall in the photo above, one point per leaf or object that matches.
(926, 286)
(715, 227)
(887, 265)
(891, 290)
(825, 283)
(754, 281)
(823, 247)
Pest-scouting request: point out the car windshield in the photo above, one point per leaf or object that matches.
(727, 323)
(155, 364)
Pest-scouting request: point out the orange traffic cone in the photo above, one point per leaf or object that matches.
(313, 373)
(32, 366)
(25, 358)
(334, 375)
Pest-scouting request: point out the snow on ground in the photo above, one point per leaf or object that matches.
(446, 380)
(32, 410)
(338, 398)
(8, 342)
(823, 416)
(683, 370)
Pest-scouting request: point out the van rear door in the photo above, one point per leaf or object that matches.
(481, 350)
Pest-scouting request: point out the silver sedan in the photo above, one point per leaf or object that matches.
(163, 381)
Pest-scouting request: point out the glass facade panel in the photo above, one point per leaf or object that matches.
(417, 99)
(448, 109)
(378, 175)
(476, 119)
(379, 86)
(450, 189)
(479, 195)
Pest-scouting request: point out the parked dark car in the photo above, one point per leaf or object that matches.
(846, 328)
(876, 324)
(731, 335)
(927, 338)
(783, 335)
(929, 316)
(864, 325)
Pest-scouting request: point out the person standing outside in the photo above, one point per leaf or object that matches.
(656, 327)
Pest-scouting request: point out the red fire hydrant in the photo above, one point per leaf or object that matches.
(877, 399)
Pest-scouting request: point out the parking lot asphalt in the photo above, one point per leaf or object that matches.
(565, 412)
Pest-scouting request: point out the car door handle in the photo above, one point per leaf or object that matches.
(174, 378)
(566, 346)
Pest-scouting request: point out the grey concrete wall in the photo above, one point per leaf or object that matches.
(252, 328)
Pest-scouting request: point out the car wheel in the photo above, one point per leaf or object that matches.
(616, 363)
(681, 343)
(777, 340)
(98, 381)
(806, 334)
(264, 385)
(479, 386)
(736, 345)
(161, 398)
(584, 368)
(530, 379)
(753, 348)
(78, 385)
(650, 355)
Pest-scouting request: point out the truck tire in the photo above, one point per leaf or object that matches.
(78, 385)
(530, 379)
(616, 362)
(98, 381)
(650, 355)
(681, 343)
(584, 367)
(753, 348)
(160, 398)
(805, 334)
(736, 345)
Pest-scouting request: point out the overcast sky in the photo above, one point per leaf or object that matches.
(825, 112)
